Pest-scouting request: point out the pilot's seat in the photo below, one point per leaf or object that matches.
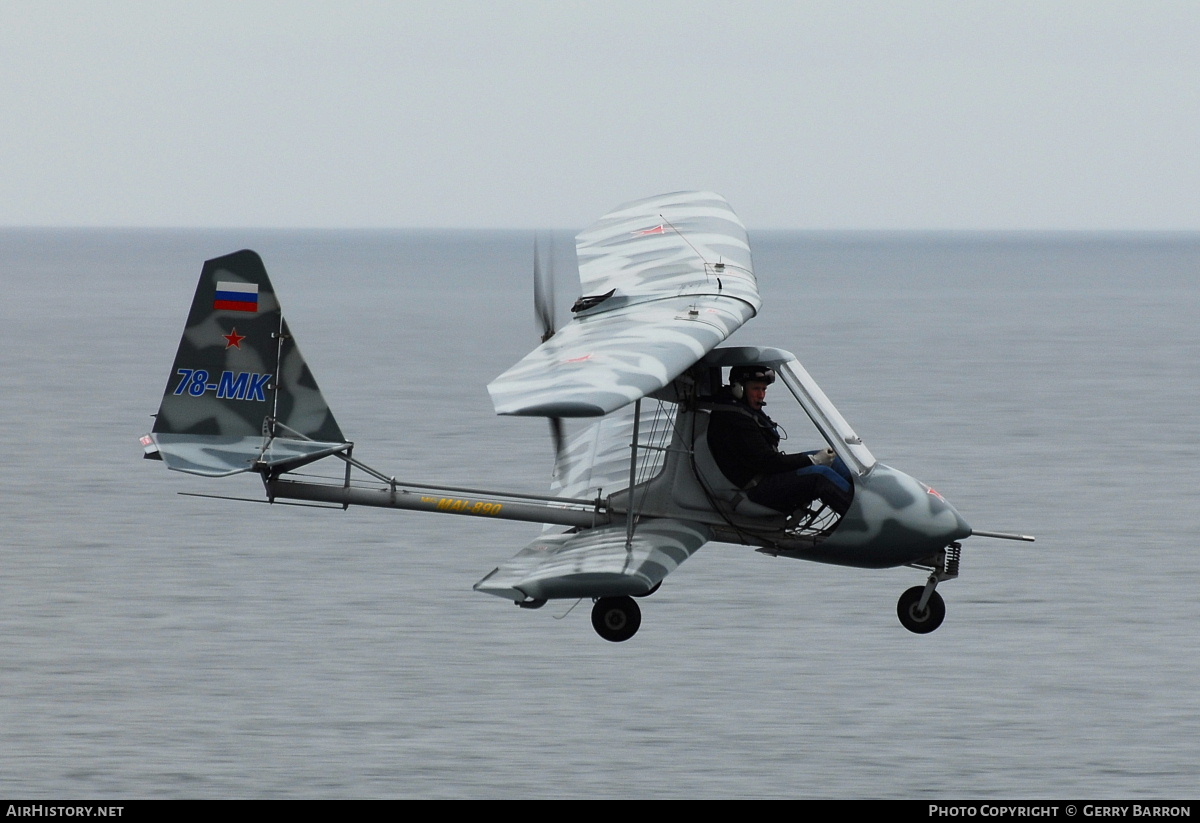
(711, 479)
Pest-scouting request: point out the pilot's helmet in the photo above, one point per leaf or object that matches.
(740, 375)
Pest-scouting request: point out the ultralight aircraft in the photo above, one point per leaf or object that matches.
(665, 281)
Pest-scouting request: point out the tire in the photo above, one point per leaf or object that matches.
(616, 619)
(920, 622)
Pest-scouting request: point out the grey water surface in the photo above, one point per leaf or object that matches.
(158, 645)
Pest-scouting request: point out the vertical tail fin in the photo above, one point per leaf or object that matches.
(240, 395)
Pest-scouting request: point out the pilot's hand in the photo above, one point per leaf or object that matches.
(824, 457)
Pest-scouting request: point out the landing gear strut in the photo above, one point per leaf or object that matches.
(616, 618)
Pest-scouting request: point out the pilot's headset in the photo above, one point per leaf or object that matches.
(739, 376)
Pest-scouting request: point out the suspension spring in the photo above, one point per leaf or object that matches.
(953, 553)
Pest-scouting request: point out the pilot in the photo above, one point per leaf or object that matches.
(745, 444)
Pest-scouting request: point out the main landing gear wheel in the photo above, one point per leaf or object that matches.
(915, 620)
(616, 618)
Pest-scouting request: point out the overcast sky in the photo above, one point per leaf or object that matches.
(814, 115)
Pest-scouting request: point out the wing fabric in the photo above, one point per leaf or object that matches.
(680, 243)
(595, 562)
(665, 280)
(596, 461)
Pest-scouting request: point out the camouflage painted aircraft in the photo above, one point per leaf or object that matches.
(665, 281)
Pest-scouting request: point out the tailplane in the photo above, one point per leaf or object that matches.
(240, 396)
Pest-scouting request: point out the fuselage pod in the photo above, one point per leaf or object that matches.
(895, 519)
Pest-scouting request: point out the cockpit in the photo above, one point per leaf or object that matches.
(676, 472)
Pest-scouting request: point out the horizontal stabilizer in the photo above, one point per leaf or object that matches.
(595, 562)
(240, 394)
(213, 455)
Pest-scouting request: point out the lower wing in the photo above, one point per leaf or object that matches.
(596, 562)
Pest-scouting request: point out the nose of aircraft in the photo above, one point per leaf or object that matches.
(941, 526)
(895, 519)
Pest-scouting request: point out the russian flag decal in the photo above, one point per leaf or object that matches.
(236, 297)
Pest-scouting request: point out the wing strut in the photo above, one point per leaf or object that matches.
(633, 449)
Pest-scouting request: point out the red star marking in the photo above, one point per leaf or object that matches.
(234, 339)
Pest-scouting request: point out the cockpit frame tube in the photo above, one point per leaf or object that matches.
(825, 416)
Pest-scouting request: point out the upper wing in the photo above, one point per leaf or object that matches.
(665, 280)
(595, 562)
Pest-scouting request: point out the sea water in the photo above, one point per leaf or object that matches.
(159, 645)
